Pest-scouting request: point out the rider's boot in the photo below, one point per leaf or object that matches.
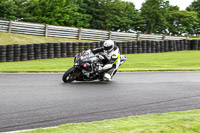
(107, 77)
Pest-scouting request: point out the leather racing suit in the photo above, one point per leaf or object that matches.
(111, 61)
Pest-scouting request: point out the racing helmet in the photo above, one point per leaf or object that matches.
(108, 46)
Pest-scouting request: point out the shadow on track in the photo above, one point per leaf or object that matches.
(88, 82)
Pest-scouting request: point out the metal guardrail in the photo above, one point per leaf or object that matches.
(4, 26)
(76, 33)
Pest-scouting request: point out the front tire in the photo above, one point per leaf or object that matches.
(68, 76)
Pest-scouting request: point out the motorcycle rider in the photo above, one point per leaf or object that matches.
(110, 56)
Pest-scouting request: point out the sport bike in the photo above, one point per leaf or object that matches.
(86, 66)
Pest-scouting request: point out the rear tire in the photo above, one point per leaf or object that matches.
(68, 76)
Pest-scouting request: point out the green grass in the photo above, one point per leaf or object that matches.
(10, 38)
(194, 37)
(170, 61)
(174, 122)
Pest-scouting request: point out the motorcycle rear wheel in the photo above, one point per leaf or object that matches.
(68, 76)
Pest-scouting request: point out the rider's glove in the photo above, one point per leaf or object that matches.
(100, 68)
(101, 57)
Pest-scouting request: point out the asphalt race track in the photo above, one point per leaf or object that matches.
(42, 100)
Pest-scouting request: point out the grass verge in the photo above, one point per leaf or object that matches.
(174, 122)
(194, 37)
(11, 38)
(170, 61)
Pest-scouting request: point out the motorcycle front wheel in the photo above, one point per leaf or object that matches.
(68, 76)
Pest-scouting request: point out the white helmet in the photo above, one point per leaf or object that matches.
(108, 45)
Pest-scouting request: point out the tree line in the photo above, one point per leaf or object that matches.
(155, 16)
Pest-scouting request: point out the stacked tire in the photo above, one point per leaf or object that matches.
(44, 51)
(2, 53)
(50, 50)
(23, 55)
(81, 47)
(57, 50)
(171, 47)
(139, 47)
(37, 51)
(101, 43)
(130, 47)
(148, 46)
(178, 45)
(194, 44)
(75, 49)
(63, 49)
(17, 52)
(181, 45)
(174, 45)
(153, 46)
(69, 50)
(119, 44)
(87, 46)
(185, 44)
(98, 45)
(134, 47)
(9, 53)
(144, 46)
(166, 46)
(30, 52)
(198, 44)
(92, 46)
(162, 46)
(124, 47)
(157, 46)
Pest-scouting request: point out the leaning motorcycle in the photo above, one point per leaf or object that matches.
(86, 66)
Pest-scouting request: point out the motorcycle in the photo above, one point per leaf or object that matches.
(86, 66)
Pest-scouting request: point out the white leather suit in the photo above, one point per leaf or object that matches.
(111, 61)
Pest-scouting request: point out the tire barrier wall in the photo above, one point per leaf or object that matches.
(15, 52)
